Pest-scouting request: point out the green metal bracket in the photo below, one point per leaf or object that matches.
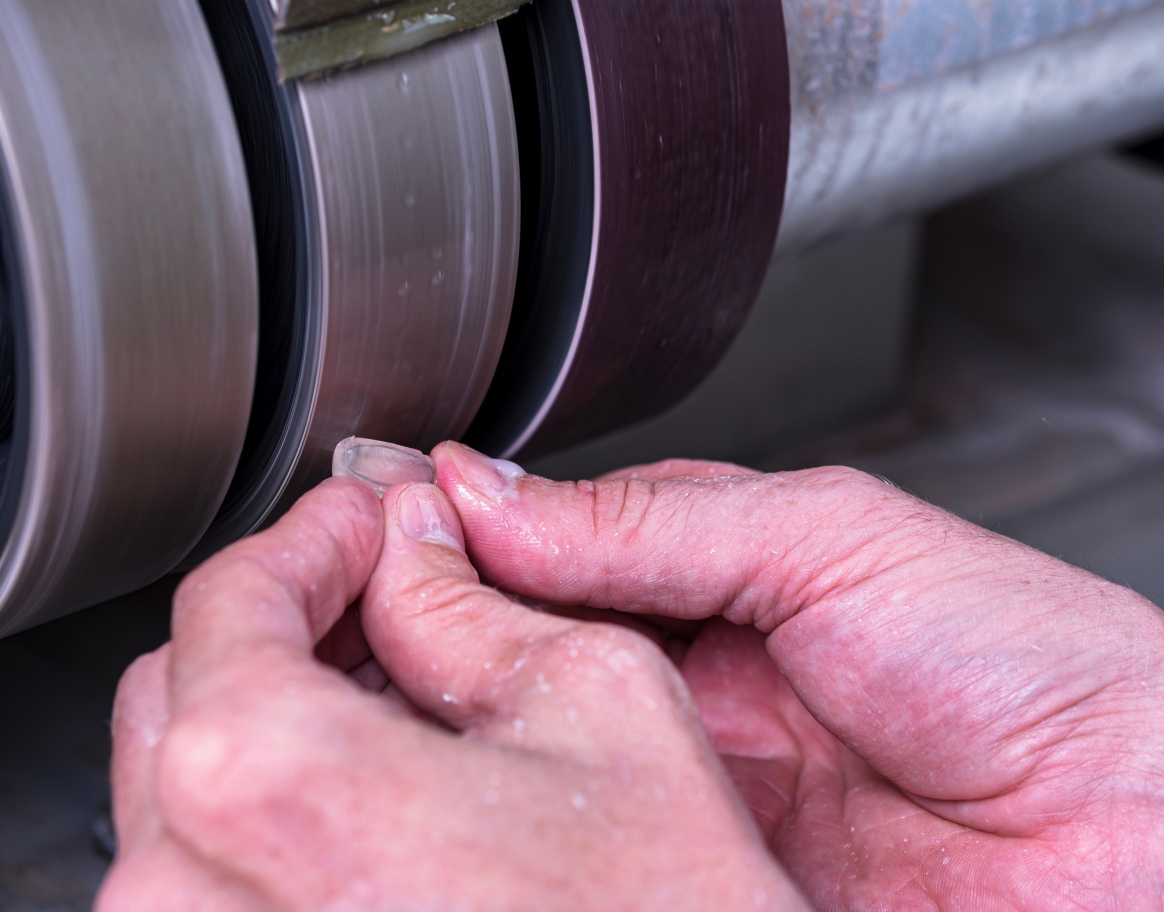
(316, 37)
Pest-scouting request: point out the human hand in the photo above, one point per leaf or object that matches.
(522, 761)
(919, 713)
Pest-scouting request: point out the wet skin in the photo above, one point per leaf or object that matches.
(883, 707)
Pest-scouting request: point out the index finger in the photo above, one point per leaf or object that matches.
(677, 468)
(957, 662)
(282, 589)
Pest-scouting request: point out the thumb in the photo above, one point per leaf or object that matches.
(485, 664)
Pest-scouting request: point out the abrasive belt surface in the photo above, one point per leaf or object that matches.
(687, 108)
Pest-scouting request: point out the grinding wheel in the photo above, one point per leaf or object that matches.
(129, 297)
(654, 157)
(387, 212)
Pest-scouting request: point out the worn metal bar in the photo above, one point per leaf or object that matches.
(316, 37)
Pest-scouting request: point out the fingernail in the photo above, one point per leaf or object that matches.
(381, 465)
(496, 479)
(424, 514)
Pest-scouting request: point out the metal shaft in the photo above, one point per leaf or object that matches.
(900, 105)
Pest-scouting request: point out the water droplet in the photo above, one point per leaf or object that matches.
(437, 277)
(403, 83)
(448, 698)
(409, 198)
(407, 142)
(578, 800)
(436, 253)
(404, 289)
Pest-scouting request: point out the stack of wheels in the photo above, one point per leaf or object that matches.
(209, 277)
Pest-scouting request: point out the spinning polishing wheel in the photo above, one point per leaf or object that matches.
(235, 232)
(386, 209)
(129, 297)
(649, 216)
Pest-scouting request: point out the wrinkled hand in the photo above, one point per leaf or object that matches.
(920, 714)
(521, 760)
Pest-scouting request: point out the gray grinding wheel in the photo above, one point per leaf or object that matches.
(129, 297)
(388, 205)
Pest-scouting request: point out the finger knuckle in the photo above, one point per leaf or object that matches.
(621, 506)
(849, 481)
(446, 599)
(140, 696)
(614, 660)
(193, 768)
(870, 499)
(209, 579)
(143, 673)
(213, 768)
(192, 584)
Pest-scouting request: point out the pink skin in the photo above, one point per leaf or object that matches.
(523, 761)
(918, 714)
